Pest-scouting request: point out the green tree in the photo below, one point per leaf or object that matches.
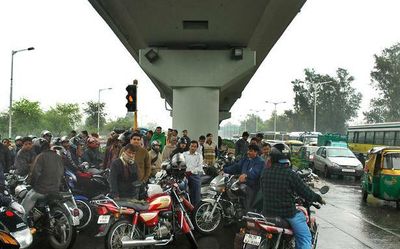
(27, 117)
(62, 118)
(3, 124)
(337, 102)
(386, 81)
(120, 123)
(91, 111)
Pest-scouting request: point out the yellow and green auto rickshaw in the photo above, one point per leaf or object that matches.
(382, 174)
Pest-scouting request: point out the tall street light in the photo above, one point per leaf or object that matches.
(98, 109)
(275, 103)
(257, 111)
(315, 101)
(13, 52)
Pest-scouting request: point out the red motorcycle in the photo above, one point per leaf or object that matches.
(273, 232)
(154, 222)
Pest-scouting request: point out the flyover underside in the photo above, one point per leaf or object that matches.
(178, 30)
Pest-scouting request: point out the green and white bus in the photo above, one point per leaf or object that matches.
(361, 138)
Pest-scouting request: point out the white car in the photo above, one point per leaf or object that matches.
(337, 161)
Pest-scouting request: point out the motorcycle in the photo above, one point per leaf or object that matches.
(225, 202)
(12, 223)
(56, 217)
(273, 232)
(82, 202)
(154, 222)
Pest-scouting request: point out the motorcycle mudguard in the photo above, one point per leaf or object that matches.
(81, 198)
(104, 228)
(209, 200)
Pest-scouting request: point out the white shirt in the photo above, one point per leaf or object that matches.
(194, 162)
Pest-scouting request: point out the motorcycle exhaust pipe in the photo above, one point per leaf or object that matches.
(146, 242)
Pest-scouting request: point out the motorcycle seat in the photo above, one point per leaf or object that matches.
(133, 203)
(205, 179)
(279, 222)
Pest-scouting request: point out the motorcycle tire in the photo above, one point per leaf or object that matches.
(122, 228)
(192, 240)
(68, 236)
(197, 216)
(85, 214)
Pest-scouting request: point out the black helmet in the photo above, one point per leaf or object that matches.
(182, 140)
(56, 141)
(280, 153)
(41, 145)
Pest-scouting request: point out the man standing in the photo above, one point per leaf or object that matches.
(5, 162)
(266, 148)
(18, 144)
(171, 146)
(194, 168)
(25, 157)
(47, 172)
(250, 169)
(185, 136)
(200, 149)
(142, 158)
(160, 136)
(242, 145)
(210, 149)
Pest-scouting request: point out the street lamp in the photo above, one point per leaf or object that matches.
(275, 103)
(98, 109)
(315, 101)
(13, 52)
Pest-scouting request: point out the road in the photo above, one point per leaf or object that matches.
(345, 223)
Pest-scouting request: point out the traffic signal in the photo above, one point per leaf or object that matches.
(131, 97)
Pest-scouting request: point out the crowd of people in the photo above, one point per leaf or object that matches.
(133, 158)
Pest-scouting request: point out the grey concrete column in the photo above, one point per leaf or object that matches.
(197, 110)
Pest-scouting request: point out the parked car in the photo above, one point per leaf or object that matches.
(306, 154)
(337, 161)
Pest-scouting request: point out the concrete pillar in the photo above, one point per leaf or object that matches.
(197, 110)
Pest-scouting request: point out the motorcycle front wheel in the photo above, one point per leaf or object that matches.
(121, 230)
(63, 234)
(203, 222)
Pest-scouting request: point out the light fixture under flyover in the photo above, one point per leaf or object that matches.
(151, 55)
(237, 53)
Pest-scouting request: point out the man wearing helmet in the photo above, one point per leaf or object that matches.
(279, 185)
(250, 169)
(46, 175)
(92, 153)
(180, 148)
(155, 157)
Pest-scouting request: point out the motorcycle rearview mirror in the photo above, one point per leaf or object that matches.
(324, 189)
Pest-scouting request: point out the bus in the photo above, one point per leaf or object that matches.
(361, 138)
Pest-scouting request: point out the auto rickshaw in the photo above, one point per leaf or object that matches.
(294, 145)
(382, 174)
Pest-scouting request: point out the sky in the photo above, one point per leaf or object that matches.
(76, 54)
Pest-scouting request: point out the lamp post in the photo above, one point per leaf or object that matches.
(13, 52)
(98, 109)
(315, 101)
(275, 103)
(257, 111)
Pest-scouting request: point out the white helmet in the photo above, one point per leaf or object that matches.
(20, 191)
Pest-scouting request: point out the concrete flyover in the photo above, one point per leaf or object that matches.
(199, 54)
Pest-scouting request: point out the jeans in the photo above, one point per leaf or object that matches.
(30, 200)
(194, 183)
(301, 231)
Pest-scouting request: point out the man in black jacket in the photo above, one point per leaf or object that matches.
(46, 175)
(25, 157)
(123, 174)
(5, 162)
(241, 146)
(279, 186)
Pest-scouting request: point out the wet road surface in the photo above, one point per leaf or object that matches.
(344, 223)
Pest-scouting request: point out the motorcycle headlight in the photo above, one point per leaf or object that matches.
(24, 237)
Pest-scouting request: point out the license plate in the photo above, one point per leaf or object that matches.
(75, 220)
(103, 219)
(349, 170)
(252, 239)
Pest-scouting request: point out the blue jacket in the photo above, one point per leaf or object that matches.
(251, 167)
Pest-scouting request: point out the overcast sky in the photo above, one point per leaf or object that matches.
(76, 53)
